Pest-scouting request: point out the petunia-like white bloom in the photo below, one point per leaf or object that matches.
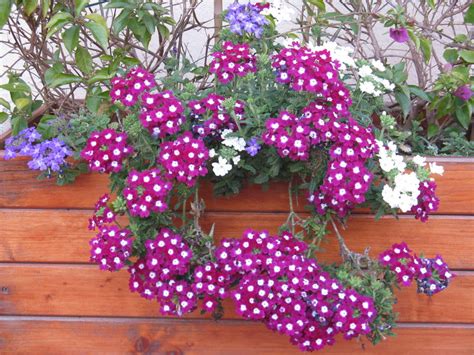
(419, 160)
(404, 195)
(279, 11)
(234, 142)
(388, 157)
(364, 71)
(221, 167)
(436, 169)
(377, 64)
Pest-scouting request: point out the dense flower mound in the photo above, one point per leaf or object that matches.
(234, 60)
(305, 69)
(111, 248)
(184, 159)
(102, 213)
(128, 89)
(161, 113)
(286, 291)
(106, 150)
(156, 275)
(246, 19)
(427, 200)
(432, 275)
(146, 192)
(290, 135)
(211, 118)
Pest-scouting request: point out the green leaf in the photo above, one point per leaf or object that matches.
(120, 5)
(467, 55)
(45, 7)
(57, 22)
(149, 22)
(443, 106)
(16, 87)
(71, 38)
(101, 75)
(415, 90)
(120, 22)
(3, 116)
(100, 33)
(461, 38)
(18, 124)
(60, 79)
(404, 102)
(97, 18)
(431, 3)
(4, 103)
(469, 16)
(451, 55)
(80, 5)
(22, 103)
(30, 6)
(5, 8)
(425, 45)
(83, 60)
(432, 130)
(44, 127)
(318, 3)
(464, 115)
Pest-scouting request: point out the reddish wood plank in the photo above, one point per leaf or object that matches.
(83, 290)
(120, 336)
(19, 188)
(62, 235)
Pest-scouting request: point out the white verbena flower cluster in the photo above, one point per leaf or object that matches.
(279, 11)
(223, 166)
(402, 191)
(370, 82)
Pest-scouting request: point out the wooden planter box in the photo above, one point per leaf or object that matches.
(53, 301)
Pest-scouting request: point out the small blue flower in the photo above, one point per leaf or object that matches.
(245, 19)
(253, 147)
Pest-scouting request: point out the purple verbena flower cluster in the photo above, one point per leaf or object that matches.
(184, 159)
(212, 117)
(432, 275)
(128, 89)
(106, 150)
(146, 192)
(427, 200)
(161, 113)
(102, 213)
(22, 143)
(246, 18)
(286, 291)
(155, 276)
(111, 248)
(234, 60)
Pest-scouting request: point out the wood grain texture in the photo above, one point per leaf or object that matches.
(62, 235)
(83, 290)
(20, 189)
(128, 336)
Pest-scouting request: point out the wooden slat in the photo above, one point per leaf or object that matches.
(83, 290)
(19, 188)
(125, 336)
(62, 235)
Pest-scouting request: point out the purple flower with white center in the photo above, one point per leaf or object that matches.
(399, 34)
(111, 248)
(22, 143)
(102, 213)
(49, 155)
(252, 147)
(464, 92)
(245, 18)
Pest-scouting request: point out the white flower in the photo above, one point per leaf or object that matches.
(367, 87)
(436, 169)
(365, 70)
(236, 159)
(377, 64)
(221, 167)
(404, 195)
(419, 160)
(234, 142)
(279, 11)
(212, 153)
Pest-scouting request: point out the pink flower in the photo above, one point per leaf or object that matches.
(399, 34)
(235, 59)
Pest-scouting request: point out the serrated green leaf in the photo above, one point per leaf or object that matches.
(451, 55)
(5, 8)
(60, 79)
(30, 6)
(3, 117)
(80, 5)
(71, 38)
(83, 60)
(467, 55)
(464, 115)
(100, 33)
